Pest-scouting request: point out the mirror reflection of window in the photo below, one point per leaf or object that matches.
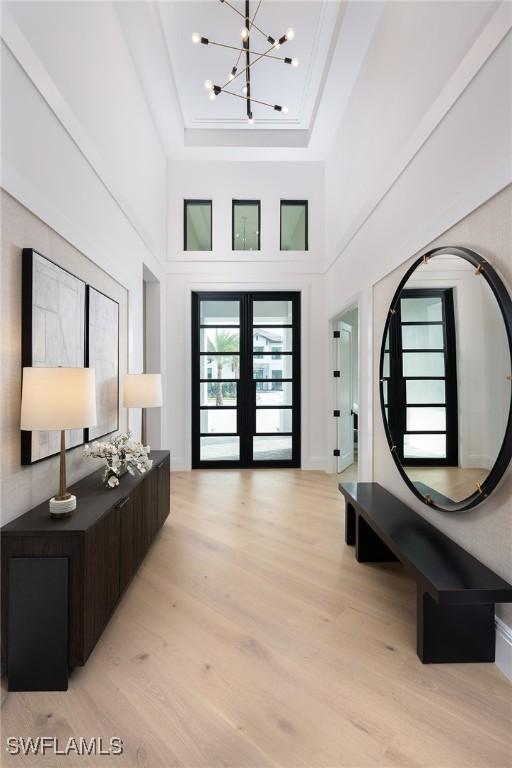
(246, 225)
(294, 225)
(446, 396)
(198, 225)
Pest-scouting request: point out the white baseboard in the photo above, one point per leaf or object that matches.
(478, 461)
(504, 647)
(179, 464)
(314, 463)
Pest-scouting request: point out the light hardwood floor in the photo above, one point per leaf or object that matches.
(251, 637)
(457, 483)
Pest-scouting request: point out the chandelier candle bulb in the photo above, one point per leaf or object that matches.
(295, 62)
(196, 38)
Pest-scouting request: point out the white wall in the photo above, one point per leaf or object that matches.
(486, 531)
(448, 159)
(58, 160)
(420, 58)
(24, 486)
(268, 269)
(223, 182)
(82, 53)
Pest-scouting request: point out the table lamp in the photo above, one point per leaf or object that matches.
(143, 390)
(59, 399)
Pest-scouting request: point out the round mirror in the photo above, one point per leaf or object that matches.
(445, 378)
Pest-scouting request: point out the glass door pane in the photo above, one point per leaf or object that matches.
(274, 337)
(422, 360)
(272, 312)
(217, 345)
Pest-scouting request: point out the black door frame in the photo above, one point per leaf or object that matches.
(246, 384)
(397, 399)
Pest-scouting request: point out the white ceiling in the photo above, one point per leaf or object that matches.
(273, 81)
(331, 41)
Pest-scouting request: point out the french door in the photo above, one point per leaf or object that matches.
(245, 379)
(420, 378)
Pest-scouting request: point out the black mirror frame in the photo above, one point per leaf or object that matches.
(504, 300)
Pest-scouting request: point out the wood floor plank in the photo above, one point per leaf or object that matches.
(250, 637)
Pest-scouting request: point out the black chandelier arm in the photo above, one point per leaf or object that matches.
(254, 53)
(251, 64)
(277, 107)
(256, 56)
(246, 45)
(240, 50)
(225, 2)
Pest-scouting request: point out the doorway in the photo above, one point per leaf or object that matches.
(245, 379)
(346, 339)
(151, 350)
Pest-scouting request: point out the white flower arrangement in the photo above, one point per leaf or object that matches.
(121, 454)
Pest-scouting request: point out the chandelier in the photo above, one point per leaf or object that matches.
(249, 59)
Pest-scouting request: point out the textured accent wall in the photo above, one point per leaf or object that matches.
(23, 487)
(485, 531)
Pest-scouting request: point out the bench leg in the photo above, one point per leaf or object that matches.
(454, 633)
(369, 547)
(350, 524)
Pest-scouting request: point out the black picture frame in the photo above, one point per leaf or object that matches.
(89, 289)
(186, 204)
(502, 296)
(256, 204)
(246, 384)
(27, 357)
(301, 203)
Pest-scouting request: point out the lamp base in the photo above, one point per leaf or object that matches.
(62, 507)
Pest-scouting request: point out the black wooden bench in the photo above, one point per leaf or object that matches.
(455, 592)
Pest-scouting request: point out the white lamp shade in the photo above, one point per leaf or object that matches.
(143, 390)
(58, 398)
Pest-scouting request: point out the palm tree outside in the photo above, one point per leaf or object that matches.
(225, 343)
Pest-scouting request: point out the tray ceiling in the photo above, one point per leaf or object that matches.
(273, 81)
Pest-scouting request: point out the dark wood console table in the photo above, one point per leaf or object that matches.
(456, 593)
(62, 579)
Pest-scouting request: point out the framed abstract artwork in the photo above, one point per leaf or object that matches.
(102, 354)
(53, 334)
